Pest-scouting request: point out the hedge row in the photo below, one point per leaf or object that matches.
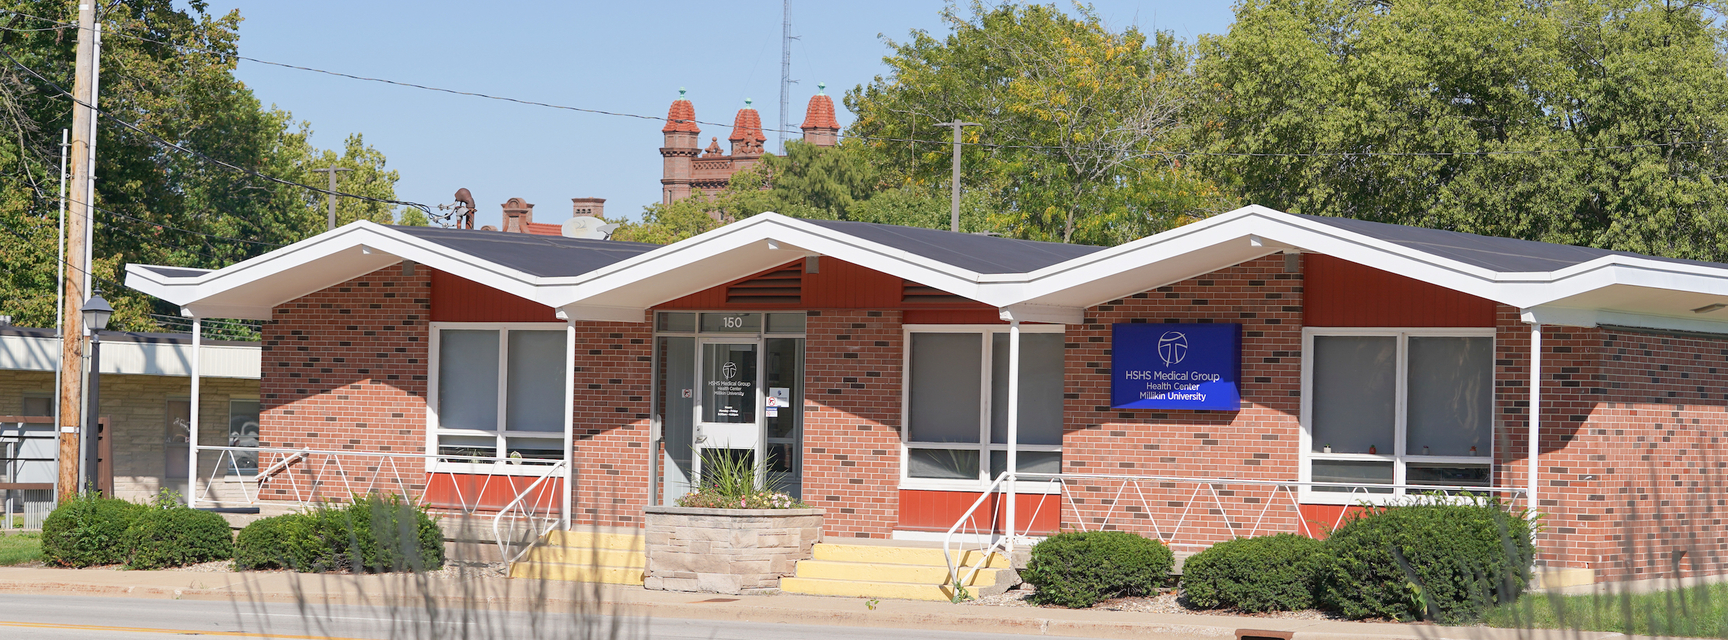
(89, 531)
(373, 534)
(1445, 563)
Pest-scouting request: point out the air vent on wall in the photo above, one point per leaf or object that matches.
(780, 286)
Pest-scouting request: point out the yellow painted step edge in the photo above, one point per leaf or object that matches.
(574, 573)
(588, 557)
(902, 555)
(898, 573)
(850, 588)
(591, 540)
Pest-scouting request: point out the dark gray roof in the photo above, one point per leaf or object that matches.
(1488, 252)
(175, 272)
(977, 253)
(545, 256)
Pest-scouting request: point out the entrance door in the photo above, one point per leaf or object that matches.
(176, 444)
(729, 401)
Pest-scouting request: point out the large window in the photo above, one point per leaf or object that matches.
(1397, 407)
(956, 404)
(499, 390)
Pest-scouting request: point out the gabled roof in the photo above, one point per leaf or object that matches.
(1033, 281)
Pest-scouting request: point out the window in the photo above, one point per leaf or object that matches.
(956, 404)
(1397, 407)
(243, 432)
(38, 404)
(499, 390)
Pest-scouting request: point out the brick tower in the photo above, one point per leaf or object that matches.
(820, 128)
(679, 150)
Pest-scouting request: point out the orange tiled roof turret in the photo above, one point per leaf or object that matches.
(681, 117)
(820, 113)
(747, 126)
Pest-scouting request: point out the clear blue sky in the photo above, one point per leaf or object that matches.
(629, 57)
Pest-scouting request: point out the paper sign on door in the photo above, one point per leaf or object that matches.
(778, 397)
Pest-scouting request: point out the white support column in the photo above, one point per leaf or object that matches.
(569, 418)
(1013, 423)
(192, 425)
(1535, 413)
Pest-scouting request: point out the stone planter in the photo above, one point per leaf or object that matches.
(729, 551)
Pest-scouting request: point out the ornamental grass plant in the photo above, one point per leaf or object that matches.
(728, 481)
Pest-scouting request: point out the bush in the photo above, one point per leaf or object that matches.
(374, 534)
(276, 542)
(1268, 573)
(176, 536)
(1080, 569)
(1445, 563)
(88, 531)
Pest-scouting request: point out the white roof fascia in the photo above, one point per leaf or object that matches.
(1597, 317)
(611, 285)
(200, 295)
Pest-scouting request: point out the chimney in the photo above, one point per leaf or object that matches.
(518, 214)
(591, 207)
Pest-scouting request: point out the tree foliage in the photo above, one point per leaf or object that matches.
(170, 71)
(1076, 120)
(1633, 92)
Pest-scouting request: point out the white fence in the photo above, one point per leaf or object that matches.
(517, 495)
(1182, 512)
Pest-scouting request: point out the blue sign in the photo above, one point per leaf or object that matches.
(1176, 366)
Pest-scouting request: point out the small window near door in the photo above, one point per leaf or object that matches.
(36, 405)
(500, 391)
(957, 404)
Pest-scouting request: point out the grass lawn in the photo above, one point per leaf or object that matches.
(20, 548)
(1697, 611)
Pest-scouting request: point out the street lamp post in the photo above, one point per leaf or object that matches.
(96, 313)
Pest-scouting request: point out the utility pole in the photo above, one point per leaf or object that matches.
(954, 207)
(77, 240)
(332, 194)
(785, 67)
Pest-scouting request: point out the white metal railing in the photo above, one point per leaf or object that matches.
(1149, 501)
(309, 476)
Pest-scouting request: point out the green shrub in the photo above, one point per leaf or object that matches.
(276, 542)
(176, 536)
(88, 531)
(1268, 573)
(373, 534)
(1081, 569)
(1445, 563)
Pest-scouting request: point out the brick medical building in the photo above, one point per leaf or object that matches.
(1331, 361)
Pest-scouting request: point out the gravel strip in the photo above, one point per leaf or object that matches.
(1167, 602)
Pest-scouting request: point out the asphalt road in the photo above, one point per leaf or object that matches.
(56, 617)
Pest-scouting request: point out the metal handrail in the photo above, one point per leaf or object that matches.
(497, 536)
(1007, 541)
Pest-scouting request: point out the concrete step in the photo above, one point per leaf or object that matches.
(880, 554)
(863, 589)
(620, 558)
(580, 539)
(900, 573)
(576, 573)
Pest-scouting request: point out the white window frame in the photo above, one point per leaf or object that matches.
(562, 438)
(984, 446)
(1398, 457)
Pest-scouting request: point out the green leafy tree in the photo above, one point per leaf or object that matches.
(1077, 121)
(1592, 122)
(170, 71)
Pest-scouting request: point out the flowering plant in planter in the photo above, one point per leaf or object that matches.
(728, 481)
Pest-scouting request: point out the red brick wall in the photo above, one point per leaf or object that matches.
(345, 368)
(614, 363)
(852, 420)
(1258, 442)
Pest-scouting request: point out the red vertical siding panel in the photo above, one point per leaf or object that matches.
(456, 299)
(1338, 293)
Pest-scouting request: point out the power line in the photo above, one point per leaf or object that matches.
(987, 145)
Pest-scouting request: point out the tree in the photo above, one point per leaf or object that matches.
(169, 71)
(1076, 121)
(1591, 122)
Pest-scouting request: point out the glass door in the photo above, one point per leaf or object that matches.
(729, 401)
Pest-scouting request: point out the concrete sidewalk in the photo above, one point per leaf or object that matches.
(556, 597)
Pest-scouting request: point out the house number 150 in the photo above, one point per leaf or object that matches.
(733, 322)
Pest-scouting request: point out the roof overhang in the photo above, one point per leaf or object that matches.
(253, 288)
(628, 288)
